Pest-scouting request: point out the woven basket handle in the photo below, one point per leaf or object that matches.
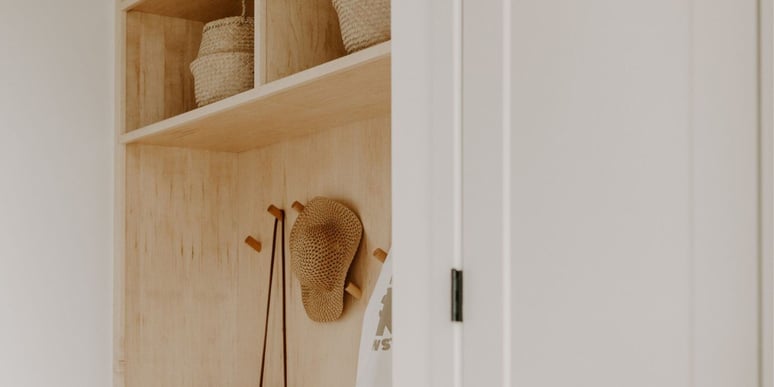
(244, 8)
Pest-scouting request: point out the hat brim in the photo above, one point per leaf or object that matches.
(321, 305)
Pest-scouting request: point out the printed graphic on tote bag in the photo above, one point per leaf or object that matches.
(383, 340)
(374, 367)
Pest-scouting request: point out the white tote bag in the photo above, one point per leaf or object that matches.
(374, 368)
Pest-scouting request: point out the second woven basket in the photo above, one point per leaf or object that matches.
(225, 65)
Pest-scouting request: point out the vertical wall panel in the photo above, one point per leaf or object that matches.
(766, 146)
(625, 199)
(725, 106)
(601, 190)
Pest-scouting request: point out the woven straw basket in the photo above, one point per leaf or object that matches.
(363, 22)
(225, 64)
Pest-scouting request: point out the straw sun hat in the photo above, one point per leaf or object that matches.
(323, 243)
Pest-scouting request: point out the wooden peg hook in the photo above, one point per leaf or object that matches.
(298, 206)
(279, 214)
(354, 290)
(380, 255)
(252, 242)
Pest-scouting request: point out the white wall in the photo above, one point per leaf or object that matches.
(55, 193)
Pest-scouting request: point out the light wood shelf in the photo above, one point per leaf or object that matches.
(343, 91)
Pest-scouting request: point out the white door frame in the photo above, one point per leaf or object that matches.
(766, 76)
(486, 191)
(426, 196)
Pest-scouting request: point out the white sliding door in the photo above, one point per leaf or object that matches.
(611, 193)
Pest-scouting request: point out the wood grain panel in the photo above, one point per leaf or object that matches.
(196, 295)
(260, 184)
(182, 268)
(350, 164)
(199, 10)
(159, 83)
(297, 35)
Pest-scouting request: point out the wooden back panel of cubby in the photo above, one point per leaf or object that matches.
(294, 35)
(195, 295)
(161, 43)
(158, 81)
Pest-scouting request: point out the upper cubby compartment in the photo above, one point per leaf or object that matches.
(346, 90)
(162, 39)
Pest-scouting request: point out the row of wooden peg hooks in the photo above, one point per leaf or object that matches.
(351, 288)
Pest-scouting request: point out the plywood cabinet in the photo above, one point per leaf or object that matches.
(192, 183)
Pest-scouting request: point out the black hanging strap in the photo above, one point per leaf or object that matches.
(268, 306)
(284, 326)
(268, 302)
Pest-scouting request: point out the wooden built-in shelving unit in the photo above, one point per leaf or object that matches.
(192, 183)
